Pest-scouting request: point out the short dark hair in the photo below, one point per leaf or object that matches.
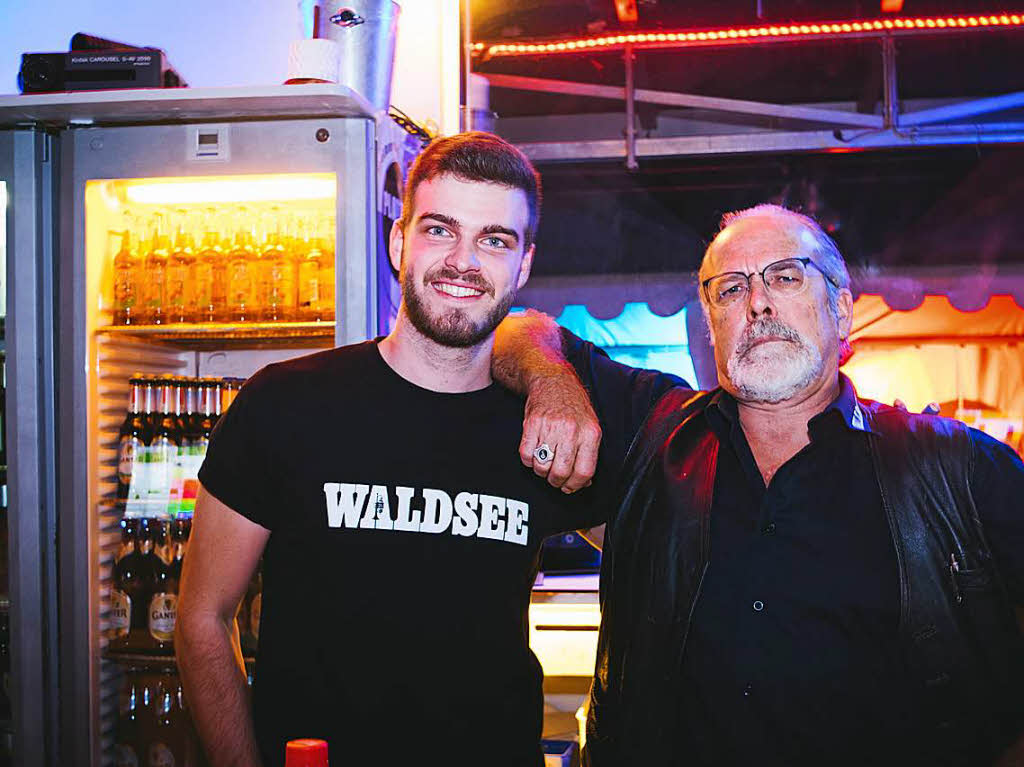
(477, 156)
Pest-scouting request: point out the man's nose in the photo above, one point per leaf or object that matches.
(463, 257)
(759, 300)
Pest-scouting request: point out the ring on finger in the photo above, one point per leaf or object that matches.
(543, 453)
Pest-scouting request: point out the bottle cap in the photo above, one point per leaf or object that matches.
(306, 752)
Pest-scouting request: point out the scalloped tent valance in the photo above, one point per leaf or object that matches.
(967, 288)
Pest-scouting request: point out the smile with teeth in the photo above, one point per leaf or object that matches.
(457, 291)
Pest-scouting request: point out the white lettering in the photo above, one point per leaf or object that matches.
(492, 523)
(345, 503)
(480, 515)
(408, 517)
(380, 510)
(437, 511)
(466, 522)
(518, 515)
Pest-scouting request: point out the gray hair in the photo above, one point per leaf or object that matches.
(826, 256)
(826, 253)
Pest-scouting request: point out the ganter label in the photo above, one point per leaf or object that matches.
(120, 613)
(163, 611)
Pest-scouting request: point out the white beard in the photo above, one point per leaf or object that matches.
(776, 371)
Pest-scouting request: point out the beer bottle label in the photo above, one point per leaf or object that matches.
(163, 610)
(160, 756)
(161, 458)
(138, 486)
(130, 446)
(120, 613)
(254, 614)
(124, 756)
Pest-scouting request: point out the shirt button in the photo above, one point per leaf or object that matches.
(768, 529)
(759, 605)
(748, 690)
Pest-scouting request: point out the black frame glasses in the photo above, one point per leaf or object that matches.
(777, 266)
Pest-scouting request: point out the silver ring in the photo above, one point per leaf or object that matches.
(543, 453)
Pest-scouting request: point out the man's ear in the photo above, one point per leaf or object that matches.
(525, 266)
(396, 239)
(844, 313)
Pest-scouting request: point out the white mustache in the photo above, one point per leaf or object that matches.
(765, 328)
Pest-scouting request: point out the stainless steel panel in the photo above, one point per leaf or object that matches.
(26, 164)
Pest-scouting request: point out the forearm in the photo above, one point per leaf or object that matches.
(527, 349)
(214, 679)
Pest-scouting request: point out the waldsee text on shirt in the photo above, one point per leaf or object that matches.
(354, 505)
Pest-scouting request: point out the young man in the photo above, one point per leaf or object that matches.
(399, 539)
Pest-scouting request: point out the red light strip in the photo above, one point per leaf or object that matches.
(759, 34)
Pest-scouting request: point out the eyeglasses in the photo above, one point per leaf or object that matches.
(782, 279)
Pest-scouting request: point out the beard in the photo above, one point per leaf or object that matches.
(774, 372)
(452, 327)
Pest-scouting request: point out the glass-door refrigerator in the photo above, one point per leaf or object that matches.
(200, 234)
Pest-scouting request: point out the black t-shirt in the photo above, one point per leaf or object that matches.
(405, 534)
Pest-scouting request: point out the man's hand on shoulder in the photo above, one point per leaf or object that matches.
(560, 422)
(561, 433)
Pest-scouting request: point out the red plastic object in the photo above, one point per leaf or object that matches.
(306, 752)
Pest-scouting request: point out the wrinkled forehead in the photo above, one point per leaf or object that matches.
(750, 244)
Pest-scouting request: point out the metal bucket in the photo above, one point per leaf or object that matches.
(365, 30)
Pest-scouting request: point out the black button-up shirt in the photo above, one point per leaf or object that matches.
(793, 656)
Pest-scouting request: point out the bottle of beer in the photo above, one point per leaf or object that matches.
(126, 277)
(305, 752)
(241, 283)
(228, 391)
(131, 439)
(215, 405)
(279, 304)
(181, 528)
(155, 269)
(176, 488)
(163, 450)
(193, 444)
(126, 750)
(168, 744)
(210, 274)
(180, 264)
(146, 691)
(126, 575)
(163, 604)
(141, 478)
(134, 576)
(309, 292)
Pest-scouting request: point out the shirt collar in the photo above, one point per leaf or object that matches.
(724, 410)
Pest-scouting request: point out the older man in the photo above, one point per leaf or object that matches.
(795, 575)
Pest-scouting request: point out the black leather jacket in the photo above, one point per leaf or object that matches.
(957, 624)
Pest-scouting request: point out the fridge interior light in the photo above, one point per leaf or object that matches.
(176, 191)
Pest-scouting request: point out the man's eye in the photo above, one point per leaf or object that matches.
(437, 231)
(731, 290)
(495, 242)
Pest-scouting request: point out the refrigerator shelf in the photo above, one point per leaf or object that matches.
(143, 661)
(249, 335)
